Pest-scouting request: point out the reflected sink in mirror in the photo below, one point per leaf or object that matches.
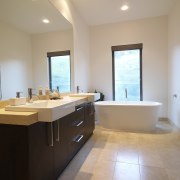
(48, 110)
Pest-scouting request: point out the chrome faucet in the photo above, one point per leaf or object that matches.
(18, 94)
(57, 89)
(30, 95)
(78, 89)
(126, 93)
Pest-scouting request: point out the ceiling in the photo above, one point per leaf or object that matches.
(96, 12)
(27, 15)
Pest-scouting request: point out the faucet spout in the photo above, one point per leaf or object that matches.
(78, 89)
(18, 94)
(126, 93)
(30, 94)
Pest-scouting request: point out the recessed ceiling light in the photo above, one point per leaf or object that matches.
(46, 21)
(124, 7)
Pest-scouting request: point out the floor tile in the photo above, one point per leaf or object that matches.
(110, 155)
(153, 173)
(111, 146)
(88, 165)
(173, 174)
(104, 169)
(150, 159)
(128, 156)
(101, 177)
(125, 171)
(75, 176)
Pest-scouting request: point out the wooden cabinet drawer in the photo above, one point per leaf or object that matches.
(76, 143)
(79, 112)
(75, 122)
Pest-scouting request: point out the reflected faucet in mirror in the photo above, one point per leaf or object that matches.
(18, 94)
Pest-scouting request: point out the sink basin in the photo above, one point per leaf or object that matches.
(90, 96)
(48, 110)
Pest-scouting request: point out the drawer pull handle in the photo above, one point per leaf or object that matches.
(57, 137)
(80, 138)
(78, 109)
(77, 125)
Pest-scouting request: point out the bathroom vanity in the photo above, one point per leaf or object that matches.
(42, 150)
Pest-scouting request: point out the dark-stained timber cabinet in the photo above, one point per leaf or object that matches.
(42, 150)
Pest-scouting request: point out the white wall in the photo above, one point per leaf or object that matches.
(174, 64)
(48, 42)
(81, 43)
(153, 34)
(15, 61)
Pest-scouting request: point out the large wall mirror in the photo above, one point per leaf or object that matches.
(25, 41)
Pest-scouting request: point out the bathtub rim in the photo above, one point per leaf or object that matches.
(127, 103)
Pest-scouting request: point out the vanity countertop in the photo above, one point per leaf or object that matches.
(28, 118)
(18, 118)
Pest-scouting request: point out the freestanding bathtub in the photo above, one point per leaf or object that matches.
(128, 115)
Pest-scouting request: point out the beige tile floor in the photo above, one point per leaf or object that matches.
(112, 155)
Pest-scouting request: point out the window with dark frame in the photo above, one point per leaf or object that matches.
(127, 72)
(59, 70)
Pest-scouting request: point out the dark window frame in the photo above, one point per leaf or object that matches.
(123, 48)
(53, 54)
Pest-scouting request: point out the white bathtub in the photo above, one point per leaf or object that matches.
(133, 116)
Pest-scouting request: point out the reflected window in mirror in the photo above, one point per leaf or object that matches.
(60, 70)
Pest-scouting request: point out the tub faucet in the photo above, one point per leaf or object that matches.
(57, 89)
(126, 93)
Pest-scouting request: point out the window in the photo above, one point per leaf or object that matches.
(127, 72)
(59, 70)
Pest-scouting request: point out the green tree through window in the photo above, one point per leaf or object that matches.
(59, 70)
(127, 72)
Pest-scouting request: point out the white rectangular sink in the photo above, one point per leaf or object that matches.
(48, 110)
(92, 97)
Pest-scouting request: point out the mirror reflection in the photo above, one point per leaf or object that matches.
(29, 30)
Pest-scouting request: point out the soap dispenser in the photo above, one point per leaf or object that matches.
(40, 91)
(47, 91)
(18, 100)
